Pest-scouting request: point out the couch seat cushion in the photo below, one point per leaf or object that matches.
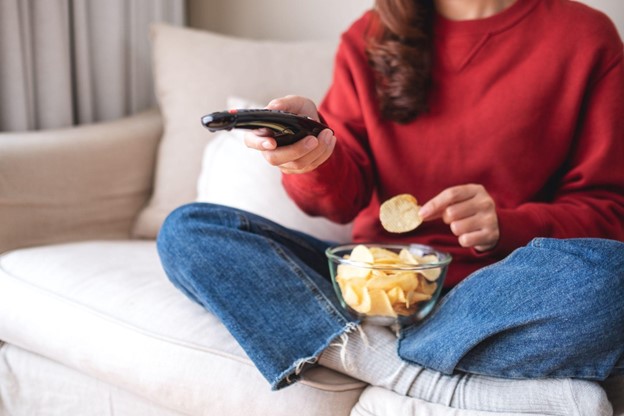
(107, 309)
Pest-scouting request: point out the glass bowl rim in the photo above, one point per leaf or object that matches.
(443, 257)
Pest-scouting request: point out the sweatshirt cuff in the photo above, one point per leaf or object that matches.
(517, 229)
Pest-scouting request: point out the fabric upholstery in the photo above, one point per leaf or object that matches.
(195, 72)
(76, 183)
(34, 385)
(107, 310)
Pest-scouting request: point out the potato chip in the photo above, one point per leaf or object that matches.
(406, 281)
(396, 295)
(428, 259)
(407, 257)
(431, 274)
(414, 297)
(352, 290)
(400, 214)
(404, 309)
(365, 304)
(383, 255)
(426, 287)
(380, 288)
(380, 303)
(362, 254)
(347, 271)
(350, 295)
(359, 254)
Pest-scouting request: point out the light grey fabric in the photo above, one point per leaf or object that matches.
(68, 62)
(369, 354)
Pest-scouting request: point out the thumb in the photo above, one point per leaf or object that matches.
(294, 104)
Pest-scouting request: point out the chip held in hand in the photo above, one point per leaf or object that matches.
(400, 214)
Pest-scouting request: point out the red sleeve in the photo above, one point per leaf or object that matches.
(589, 196)
(342, 186)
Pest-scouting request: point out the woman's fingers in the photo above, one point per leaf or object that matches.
(317, 151)
(470, 212)
(303, 156)
(312, 160)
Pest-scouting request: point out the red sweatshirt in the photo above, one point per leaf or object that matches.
(529, 103)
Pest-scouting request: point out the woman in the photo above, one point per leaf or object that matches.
(505, 116)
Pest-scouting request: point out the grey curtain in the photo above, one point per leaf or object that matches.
(66, 62)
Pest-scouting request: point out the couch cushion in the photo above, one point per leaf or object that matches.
(107, 310)
(195, 72)
(86, 181)
(34, 385)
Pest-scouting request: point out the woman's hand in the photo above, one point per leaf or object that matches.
(300, 157)
(471, 213)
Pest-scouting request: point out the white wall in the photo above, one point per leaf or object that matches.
(613, 8)
(277, 19)
(309, 19)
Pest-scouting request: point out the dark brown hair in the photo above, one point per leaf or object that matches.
(400, 52)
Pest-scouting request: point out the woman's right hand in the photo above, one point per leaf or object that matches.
(300, 157)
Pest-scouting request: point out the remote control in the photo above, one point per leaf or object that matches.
(287, 127)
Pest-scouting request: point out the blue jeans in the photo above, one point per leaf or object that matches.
(554, 308)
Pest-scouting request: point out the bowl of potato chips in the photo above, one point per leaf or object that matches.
(388, 284)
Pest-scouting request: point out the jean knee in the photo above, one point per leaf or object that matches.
(188, 220)
(168, 238)
(178, 242)
(594, 280)
(177, 238)
(168, 242)
(186, 229)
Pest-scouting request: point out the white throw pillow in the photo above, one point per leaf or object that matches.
(236, 176)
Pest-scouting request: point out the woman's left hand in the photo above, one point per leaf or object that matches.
(470, 211)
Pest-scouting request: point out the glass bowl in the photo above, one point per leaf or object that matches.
(388, 284)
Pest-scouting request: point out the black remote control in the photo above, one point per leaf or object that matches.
(287, 127)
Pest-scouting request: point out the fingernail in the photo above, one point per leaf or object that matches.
(311, 142)
(267, 144)
(326, 136)
(425, 211)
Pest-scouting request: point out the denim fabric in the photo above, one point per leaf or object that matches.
(551, 309)
(269, 285)
(554, 308)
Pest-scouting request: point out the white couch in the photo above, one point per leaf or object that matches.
(89, 324)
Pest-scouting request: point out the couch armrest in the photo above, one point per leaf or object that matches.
(84, 182)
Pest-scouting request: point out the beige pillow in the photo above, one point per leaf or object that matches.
(195, 72)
